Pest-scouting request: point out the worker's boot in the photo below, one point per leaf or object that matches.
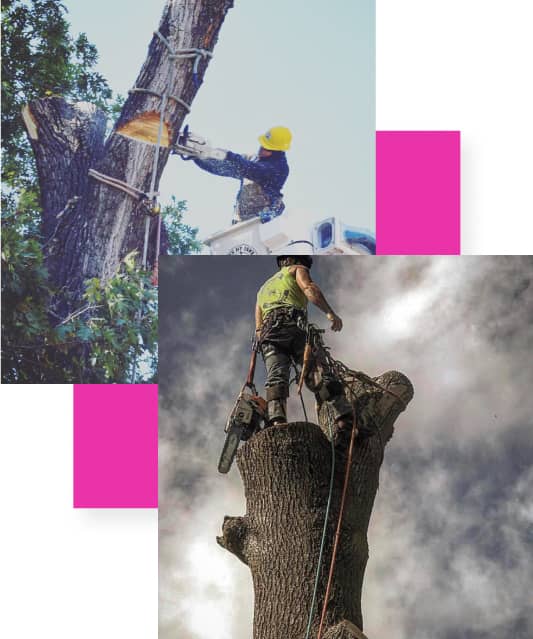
(276, 412)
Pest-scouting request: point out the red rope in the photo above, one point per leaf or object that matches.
(339, 525)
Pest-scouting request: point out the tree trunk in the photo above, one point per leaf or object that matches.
(286, 473)
(88, 225)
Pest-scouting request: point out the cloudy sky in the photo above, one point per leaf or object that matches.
(451, 534)
(305, 64)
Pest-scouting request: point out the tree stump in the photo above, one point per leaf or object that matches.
(286, 475)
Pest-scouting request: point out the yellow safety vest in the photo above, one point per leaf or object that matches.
(281, 291)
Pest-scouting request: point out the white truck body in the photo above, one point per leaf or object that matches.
(327, 237)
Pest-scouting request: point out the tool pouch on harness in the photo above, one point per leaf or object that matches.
(252, 201)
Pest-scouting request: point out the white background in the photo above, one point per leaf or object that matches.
(441, 64)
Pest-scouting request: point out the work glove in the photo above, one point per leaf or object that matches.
(193, 145)
(207, 153)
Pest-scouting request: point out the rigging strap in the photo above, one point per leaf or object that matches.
(132, 191)
(192, 53)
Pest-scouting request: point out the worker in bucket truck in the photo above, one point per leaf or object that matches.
(262, 176)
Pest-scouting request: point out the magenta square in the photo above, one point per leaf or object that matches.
(418, 192)
(115, 446)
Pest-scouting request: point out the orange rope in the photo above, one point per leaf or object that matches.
(339, 524)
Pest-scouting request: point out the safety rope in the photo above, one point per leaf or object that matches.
(191, 53)
(197, 54)
(138, 194)
(313, 337)
(155, 277)
(348, 379)
(153, 178)
(339, 524)
(324, 531)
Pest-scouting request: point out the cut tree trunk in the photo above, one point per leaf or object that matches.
(286, 473)
(89, 226)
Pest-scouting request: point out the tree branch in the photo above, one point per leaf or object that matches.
(234, 536)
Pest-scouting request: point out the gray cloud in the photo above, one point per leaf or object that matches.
(452, 528)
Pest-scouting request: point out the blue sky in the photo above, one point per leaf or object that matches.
(308, 65)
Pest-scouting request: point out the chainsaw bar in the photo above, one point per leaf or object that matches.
(231, 444)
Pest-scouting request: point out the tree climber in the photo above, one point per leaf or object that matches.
(262, 176)
(281, 323)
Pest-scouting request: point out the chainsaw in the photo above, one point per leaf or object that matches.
(191, 145)
(247, 417)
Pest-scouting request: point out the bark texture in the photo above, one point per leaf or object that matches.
(286, 472)
(89, 226)
(344, 630)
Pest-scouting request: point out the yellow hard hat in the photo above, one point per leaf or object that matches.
(278, 138)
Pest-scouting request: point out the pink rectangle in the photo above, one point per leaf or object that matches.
(417, 212)
(115, 446)
(418, 192)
